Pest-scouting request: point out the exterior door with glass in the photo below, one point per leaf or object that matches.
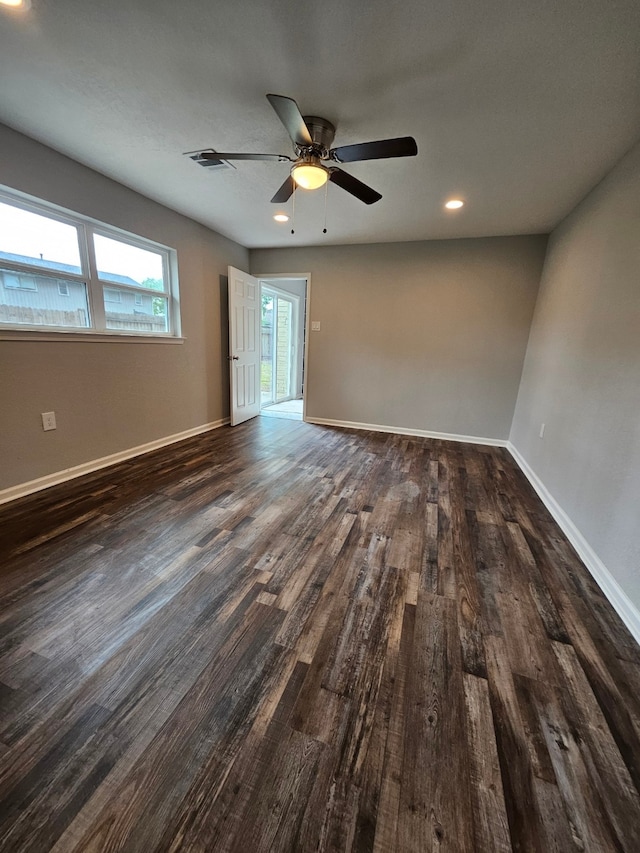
(278, 346)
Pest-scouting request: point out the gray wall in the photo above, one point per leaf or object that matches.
(109, 397)
(582, 373)
(428, 335)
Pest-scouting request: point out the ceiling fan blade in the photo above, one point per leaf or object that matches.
(403, 146)
(291, 117)
(285, 192)
(354, 186)
(217, 155)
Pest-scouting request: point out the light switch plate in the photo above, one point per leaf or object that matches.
(48, 420)
(315, 325)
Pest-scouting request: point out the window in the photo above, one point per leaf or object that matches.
(35, 301)
(18, 282)
(123, 263)
(38, 240)
(62, 271)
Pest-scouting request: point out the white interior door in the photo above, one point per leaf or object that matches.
(244, 345)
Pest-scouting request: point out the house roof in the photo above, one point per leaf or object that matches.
(57, 266)
(519, 108)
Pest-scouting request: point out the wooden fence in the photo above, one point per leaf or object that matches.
(136, 322)
(20, 315)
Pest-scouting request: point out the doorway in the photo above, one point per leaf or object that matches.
(282, 339)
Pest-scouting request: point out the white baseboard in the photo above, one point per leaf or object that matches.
(421, 433)
(616, 596)
(23, 489)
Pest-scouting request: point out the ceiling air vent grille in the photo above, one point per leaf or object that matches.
(212, 165)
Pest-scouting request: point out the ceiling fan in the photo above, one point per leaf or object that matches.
(312, 137)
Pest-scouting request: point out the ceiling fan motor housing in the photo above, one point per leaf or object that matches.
(321, 131)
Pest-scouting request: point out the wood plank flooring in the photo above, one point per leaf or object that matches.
(286, 637)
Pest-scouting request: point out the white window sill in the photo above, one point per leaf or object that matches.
(100, 337)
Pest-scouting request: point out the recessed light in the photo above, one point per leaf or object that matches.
(454, 204)
(14, 4)
(281, 217)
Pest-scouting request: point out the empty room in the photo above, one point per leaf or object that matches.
(319, 426)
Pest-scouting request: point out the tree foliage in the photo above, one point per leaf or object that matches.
(158, 304)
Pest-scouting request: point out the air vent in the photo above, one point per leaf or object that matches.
(212, 165)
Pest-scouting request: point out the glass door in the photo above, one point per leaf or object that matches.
(277, 362)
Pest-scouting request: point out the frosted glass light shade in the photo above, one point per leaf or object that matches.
(308, 176)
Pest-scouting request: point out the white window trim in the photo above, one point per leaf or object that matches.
(88, 277)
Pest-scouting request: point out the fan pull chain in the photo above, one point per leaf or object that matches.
(293, 212)
(326, 188)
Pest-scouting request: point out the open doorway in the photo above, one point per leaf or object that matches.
(282, 346)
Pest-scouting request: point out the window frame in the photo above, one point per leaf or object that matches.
(94, 286)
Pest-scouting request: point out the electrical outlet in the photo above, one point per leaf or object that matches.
(542, 426)
(48, 420)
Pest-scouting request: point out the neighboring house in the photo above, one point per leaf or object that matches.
(55, 301)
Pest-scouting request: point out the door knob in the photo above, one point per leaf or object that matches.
(233, 357)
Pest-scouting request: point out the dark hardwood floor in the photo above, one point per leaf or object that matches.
(285, 637)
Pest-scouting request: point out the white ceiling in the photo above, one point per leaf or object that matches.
(519, 107)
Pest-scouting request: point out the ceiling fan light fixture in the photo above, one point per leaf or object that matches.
(281, 217)
(309, 176)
